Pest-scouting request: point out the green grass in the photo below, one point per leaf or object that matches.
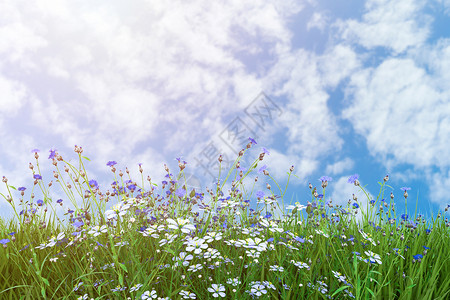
(153, 246)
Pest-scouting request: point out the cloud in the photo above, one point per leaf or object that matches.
(338, 62)
(397, 103)
(396, 25)
(318, 20)
(13, 97)
(340, 166)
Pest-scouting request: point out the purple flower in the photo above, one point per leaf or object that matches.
(352, 178)
(111, 163)
(180, 192)
(265, 151)
(52, 154)
(93, 183)
(325, 178)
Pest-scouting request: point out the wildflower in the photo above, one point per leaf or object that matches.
(354, 179)
(52, 154)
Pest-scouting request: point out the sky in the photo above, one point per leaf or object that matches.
(334, 89)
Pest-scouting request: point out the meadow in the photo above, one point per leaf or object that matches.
(153, 246)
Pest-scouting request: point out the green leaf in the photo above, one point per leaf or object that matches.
(121, 279)
(123, 267)
(46, 281)
(86, 158)
(340, 289)
(370, 291)
(12, 187)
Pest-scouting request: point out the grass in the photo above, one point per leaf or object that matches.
(151, 246)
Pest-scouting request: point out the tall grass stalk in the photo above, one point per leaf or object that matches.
(153, 246)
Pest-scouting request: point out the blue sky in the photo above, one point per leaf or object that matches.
(355, 88)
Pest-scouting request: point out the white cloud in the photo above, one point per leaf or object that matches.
(318, 20)
(297, 77)
(445, 4)
(337, 64)
(397, 104)
(436, 59)
(13, 97)
(340, 166)
(396, 25)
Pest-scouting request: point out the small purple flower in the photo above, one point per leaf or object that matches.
(22, 188)
(35, 150)
(52, 154)
(262, 169)
(37, 176)
(93, 183)
(252, 141)
(78, 224)
(131, 187)
(40, 202)
(180, 192)
(4, 242)
(111, 163)
(325, 178)
(352, 178)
